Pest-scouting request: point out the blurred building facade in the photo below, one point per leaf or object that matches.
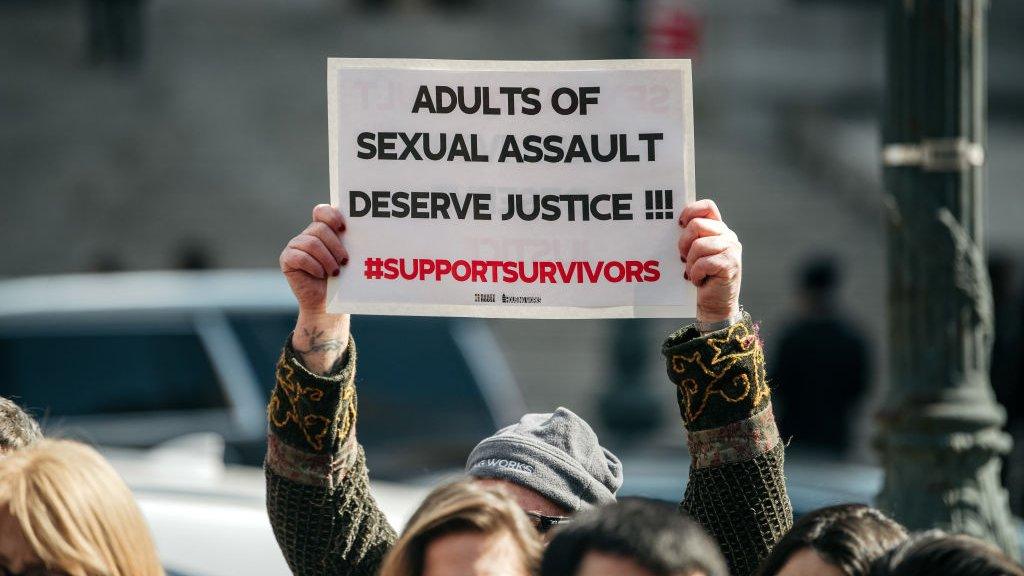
(217, 136)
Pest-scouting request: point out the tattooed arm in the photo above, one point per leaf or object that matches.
(318, 496)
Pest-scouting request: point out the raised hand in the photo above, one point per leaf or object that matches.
(714, 261)
(308, 259)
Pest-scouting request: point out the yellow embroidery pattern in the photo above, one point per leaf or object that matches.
(312, 426)
(348, 397)
(716, 372)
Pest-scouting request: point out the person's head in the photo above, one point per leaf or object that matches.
(835, 541)
(551, 464)
(935, 552)
(466, 529)
(17, 429)
(65, 510)
(633, 537)
(819, 281)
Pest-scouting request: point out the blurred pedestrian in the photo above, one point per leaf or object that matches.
(634, 537)
(935, 552)
(552, 465)
(822, 361)
(841, 540)
(466, 529)
(64, 511)
(17, 429)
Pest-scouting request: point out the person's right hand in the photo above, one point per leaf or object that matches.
(314, 255)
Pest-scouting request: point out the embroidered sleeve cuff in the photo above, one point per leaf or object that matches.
(313, 413)
(720, 376)
(736, 442)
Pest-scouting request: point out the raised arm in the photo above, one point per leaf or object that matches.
(318, 494)
(736, 488)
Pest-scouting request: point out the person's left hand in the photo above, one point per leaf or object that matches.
(714, 261)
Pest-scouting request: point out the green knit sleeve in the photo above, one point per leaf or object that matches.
(736, 488)
(318, 491)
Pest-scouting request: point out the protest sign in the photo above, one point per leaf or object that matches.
(511, 189)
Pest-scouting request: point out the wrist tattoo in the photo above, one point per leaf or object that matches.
(318, 344)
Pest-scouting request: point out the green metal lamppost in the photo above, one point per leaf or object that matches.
(941, 436)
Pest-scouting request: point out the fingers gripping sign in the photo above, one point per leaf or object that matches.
(712, 257)
(330, 216)
(312, 256)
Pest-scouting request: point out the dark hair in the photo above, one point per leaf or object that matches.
(820, 275)
(654, 534)
(935, 552)
(17, 428)
(848, 536)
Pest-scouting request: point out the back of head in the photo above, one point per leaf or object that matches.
(17, 429)
(935, 552)
(819, 275)
(654, 535)
(848, 536)
(556, 455)
(462, 506)
(75, 512)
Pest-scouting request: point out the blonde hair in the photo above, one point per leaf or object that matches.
(75, 511)
(462, 506)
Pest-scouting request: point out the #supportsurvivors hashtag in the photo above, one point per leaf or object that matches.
(511, 271)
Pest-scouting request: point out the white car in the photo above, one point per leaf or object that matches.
(137, 359)
(169, 374)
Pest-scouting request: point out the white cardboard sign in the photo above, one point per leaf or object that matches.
(511, 189)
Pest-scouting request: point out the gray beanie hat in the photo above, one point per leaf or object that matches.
(556, 455)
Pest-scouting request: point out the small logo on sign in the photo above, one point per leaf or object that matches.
(506, 299)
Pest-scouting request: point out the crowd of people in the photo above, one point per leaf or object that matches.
(538, 497)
